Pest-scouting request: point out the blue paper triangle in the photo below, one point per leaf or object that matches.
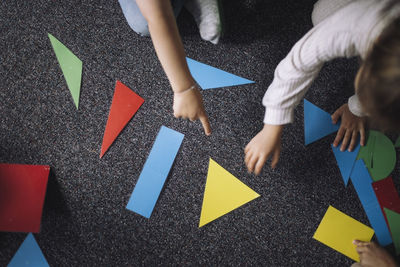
(317, 123)
(29, 254)
(209, 77)
(345, 161)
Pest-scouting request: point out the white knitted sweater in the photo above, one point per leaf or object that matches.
(348, 32)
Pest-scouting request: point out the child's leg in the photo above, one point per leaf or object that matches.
(325, 8)
(135, 18)
(207, 15)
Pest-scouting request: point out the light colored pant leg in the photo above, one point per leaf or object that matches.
(325, 8)
(356, 264)
(135, 18)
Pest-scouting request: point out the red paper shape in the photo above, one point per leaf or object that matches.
(387, 195)
(124, 105)
(22, 192)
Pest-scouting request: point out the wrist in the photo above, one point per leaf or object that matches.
(193, 87)
(275, 128)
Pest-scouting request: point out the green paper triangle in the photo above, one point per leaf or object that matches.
(71, 67)
(394, 225)
(397, 144)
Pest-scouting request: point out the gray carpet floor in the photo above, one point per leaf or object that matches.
(85, 222)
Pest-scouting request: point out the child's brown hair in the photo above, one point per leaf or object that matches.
(378, 85)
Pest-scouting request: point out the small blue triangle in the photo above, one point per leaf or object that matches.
(29, 254)
(209, 77)
(345, 161)
(317, 123)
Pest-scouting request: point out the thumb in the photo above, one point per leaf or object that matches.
(336, 115)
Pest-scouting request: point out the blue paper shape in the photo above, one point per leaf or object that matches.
(155, 172)
(345, 161)
(209, 77)
(317, 123)
(362, 182)
(29, 254)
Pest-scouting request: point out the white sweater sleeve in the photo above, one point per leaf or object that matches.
(355, 106)
(329, 39)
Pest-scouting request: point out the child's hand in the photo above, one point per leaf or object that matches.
(372, 255)
(189, 105)
(350, 126)
(265, 144)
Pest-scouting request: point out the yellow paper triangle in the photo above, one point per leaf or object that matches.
(223, 193)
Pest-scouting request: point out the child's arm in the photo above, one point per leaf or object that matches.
(169, 48)
(339, 35)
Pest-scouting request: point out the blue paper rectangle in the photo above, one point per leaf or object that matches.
(362, 182)
(155, 172)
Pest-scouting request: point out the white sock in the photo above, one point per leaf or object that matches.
(206, 14)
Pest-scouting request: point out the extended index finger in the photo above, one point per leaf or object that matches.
(206, 124)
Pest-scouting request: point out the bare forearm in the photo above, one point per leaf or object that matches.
(167, 42)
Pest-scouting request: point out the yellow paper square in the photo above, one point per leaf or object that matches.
(338, 230)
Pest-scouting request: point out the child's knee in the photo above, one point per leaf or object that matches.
(134, 17)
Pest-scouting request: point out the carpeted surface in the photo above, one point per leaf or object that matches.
(85, 222)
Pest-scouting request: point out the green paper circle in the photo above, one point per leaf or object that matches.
(379, 155)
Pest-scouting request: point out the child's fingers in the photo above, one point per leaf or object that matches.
(362, 136)
(336, 115)
(346, 140)
(353, 141)
(177, 115)
(206, 124)
(275, 158)
(260, 164)
(360, 243)
(248, 157)
(339, 136)
(361, 249)
(252, 162)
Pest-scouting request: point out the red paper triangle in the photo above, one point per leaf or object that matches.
(22, 192)
(387, 195)
(124, 105)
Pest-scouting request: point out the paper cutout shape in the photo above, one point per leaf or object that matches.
(155, 172)
(71, 67)
(124, 105)
(379, 155)
(29, 254)
(394, 224)
(387, 195)
(317, 123)
(209, 77)
(345, 161)
(362, 182)
(22, 193)
(397, 144)
(338, 230)
(223, 193)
